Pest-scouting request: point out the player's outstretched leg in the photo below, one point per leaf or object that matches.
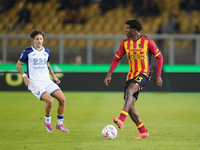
(140, 126)
(120, 122)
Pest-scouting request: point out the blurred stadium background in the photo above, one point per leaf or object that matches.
(97, 33)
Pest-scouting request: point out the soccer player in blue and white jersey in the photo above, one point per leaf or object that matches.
(38, 80)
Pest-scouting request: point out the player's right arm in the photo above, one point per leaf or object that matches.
(20, 70)
(23, 58)
(114, 64)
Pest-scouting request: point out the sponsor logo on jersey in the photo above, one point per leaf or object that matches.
(133, 50)
(137, 56)
(39, 61)
(38, 67)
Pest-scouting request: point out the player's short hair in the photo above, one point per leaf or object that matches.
(134, 24)
(36, 32)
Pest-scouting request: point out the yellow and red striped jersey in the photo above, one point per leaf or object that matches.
(139, 52)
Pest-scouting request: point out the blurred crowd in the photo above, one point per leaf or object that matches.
(72, 15)
(141, 7)
(189, 5)
(6, 5)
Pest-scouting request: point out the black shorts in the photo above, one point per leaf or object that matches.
(141, 80)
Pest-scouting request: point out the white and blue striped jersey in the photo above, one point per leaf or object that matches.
(36, 63)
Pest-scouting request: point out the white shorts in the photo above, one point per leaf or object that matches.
(39, 88)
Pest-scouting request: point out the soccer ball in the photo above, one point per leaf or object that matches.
(109, 132)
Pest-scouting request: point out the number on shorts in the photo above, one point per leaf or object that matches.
(138, 79)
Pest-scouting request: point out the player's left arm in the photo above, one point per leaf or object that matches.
(158, 55)
(158, 80)
(52, 74)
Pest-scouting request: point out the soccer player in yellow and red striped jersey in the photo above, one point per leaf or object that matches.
(139, 49)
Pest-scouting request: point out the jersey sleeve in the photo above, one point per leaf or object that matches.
(153, 48)
(121, 51)
(159, 65)
(156, 52)
(48, 51)
(24, 57)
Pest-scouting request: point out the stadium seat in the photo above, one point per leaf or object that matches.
(27, 29)
(78, 28)
(53, 43)
(184, 26)
(60, 13)
(68, 28)
(24, 42)
(98, 43)
(38, 6)
(82, 43)
(30, 5)
(47, 14)
(47, 6)
(1, 26)
(48, 28)
(45, 21)
(88, 28)
(6, 20)
(51, 14)
(13, 42)
(53, 20)
(70, 43)
(97, 29)
(58, 29)
(109, 14)
(118, 29)
(109, 43)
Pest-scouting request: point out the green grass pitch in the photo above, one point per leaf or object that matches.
(173, 121)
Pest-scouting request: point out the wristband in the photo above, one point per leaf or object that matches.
(23, 75)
